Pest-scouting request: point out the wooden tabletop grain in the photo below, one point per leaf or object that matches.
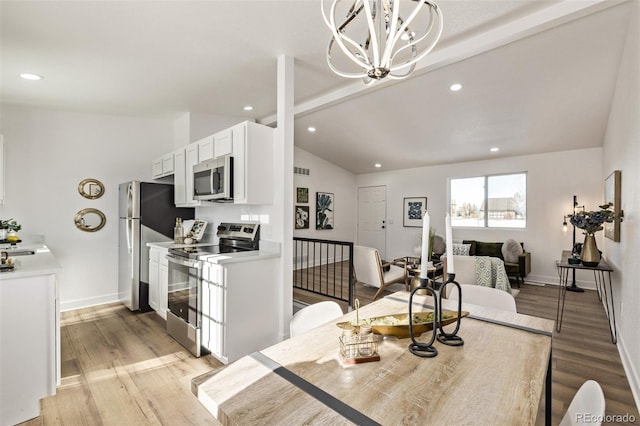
(496, 377)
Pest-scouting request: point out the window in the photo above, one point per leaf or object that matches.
(498, 201)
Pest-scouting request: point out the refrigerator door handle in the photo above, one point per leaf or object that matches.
(129, 235)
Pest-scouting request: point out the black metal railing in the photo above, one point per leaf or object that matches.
(324, 267)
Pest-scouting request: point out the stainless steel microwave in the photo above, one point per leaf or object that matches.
(213, 180)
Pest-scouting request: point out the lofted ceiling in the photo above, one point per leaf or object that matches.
(538, 76)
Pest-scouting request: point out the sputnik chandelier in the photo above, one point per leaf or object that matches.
(375, 41)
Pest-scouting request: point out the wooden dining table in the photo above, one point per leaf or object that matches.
(499, 376)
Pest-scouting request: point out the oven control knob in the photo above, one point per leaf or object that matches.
(221, 228)
(248, 230)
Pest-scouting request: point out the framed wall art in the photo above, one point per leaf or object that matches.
(612, 195)
(324, 210)
(302, 195)
(413, 208)
(302, 217)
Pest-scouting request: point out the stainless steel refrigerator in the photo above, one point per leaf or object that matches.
(147, 214)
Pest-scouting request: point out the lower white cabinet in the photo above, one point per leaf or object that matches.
(240, 307)
(29, 345)
(158, 280)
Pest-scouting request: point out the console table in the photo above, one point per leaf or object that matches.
(602, 276)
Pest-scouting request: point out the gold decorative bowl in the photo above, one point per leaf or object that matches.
(398, 324)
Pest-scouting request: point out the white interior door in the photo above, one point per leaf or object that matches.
(372, 218)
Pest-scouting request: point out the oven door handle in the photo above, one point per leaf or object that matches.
(184, 262)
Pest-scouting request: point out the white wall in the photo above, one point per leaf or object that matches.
(327, 177)
(48, 153)
(552, 180)
(622, 152)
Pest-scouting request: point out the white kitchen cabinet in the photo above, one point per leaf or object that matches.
(251, 146)
(158, 280)
(253, 163)
(240, 307)
(163, 166)
(183, 178)
(223, 142)
(29, 336)
(154, 279)
(180, 179)
(205, 148)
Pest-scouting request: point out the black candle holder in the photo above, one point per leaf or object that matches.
(450, 339)
(421, 349)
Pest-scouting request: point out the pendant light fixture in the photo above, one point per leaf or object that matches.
(374, 39)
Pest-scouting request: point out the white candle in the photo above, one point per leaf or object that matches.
(449, 236)
(425, 245)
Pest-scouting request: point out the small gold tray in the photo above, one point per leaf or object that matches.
(423, 321)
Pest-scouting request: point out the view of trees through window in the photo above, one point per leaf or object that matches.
(498, 201)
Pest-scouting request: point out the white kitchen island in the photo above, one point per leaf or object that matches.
(29, 333)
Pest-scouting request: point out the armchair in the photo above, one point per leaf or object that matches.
(370, 271)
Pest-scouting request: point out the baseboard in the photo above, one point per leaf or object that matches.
(632, 375)
(546, 280)
(85, 303)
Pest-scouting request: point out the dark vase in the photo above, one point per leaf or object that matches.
(590, 255)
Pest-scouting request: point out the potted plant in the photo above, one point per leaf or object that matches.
(9, 228)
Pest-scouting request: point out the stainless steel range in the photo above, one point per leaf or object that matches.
(184, 317)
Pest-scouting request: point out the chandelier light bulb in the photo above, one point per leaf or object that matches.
(374, 39)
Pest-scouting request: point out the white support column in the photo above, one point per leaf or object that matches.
(283, 165)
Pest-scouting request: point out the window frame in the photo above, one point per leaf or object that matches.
(485, 199)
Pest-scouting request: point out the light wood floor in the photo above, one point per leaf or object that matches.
(121, 368)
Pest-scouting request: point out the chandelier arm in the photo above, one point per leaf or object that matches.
(406, 23)
(340, 38)
(336, 70)
(373, 35)
(388, 49)
(428, 49)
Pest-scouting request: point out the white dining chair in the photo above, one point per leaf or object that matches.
(312, 316)
(483, 296)
(587, 406)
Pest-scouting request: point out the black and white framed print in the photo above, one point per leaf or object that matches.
(413, 210)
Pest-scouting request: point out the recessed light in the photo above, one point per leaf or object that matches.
(377, 165)
(494, 149)
(455, 87)
(311, 129)
(248, 108)
(30, 76)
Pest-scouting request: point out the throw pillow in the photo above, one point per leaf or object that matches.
(461, 249)
(511, 250)
(439, 246)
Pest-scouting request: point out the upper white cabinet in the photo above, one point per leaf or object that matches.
(205, 148)
(163, 166)
(252, 150)
(251, 146)
(223, 142)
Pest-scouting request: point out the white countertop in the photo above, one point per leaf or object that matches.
(269, 249)
(43, 262)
